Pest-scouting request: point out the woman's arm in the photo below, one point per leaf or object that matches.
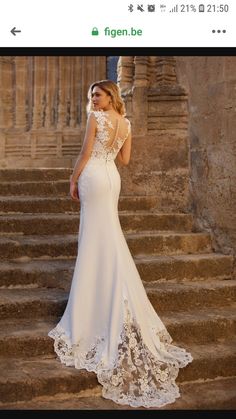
(123, 157)
(86, 148)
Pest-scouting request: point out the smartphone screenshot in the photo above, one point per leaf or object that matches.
(117, 205)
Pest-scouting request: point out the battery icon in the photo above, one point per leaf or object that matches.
(201, 8)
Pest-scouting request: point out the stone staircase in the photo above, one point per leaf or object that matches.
(189, 285)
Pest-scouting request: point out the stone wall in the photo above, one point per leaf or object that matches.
(157, 107)
(43, 108)
(211, 86)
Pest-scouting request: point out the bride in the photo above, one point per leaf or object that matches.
(109, 325)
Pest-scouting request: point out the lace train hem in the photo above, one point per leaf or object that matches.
(135, 376)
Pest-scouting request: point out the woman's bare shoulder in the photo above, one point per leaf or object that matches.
(127, 122)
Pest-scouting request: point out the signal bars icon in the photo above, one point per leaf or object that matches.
(174, 9)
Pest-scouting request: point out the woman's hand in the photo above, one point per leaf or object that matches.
(74, 191)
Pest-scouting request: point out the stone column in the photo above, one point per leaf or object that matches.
(167, 99)
(21, 93)
(87, 68)
(125, 79)
(165, 71)
(125, 74)
(140, 104)
(51, 91)
(39, 86)
(73, 93)
(63, 105)
(6, 92)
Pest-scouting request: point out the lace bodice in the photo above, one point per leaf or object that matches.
(110, 135)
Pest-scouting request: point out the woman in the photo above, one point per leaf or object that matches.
(109, 326)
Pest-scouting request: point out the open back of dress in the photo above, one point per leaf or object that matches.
(112, 131)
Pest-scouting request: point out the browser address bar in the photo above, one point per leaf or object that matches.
(24, 23)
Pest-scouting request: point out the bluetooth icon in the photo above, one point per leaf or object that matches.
(130, 8)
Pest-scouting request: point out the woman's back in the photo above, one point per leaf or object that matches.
(112, 131)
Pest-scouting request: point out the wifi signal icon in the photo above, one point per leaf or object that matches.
(174, 9)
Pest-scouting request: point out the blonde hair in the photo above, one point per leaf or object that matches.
(112, 89)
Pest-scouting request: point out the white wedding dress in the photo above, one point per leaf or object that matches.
(109, 325)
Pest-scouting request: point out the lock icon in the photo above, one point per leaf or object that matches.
(95, 31)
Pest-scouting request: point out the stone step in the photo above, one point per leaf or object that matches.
(166, 201)
(165, 297)
(48, 204)
(48, 187)
(61, 187)
(211, 324)
(37, 273)
(188, 296)
(67, 245)
(28, 337)
(69, 223)
(35, 174)
(25, 379)
(184, 267)
(46, 272)
(166, 300)
(40, 302)
(215, 394)
(23, 338)
(166, 182)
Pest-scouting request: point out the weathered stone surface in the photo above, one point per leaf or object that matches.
(26, 338)
(61, 223)
(210, 82)
(165, 296)
(216, 394)
(139, 243)
(169, 150)
(210, 325)
(38, 204)
(34, 175)
(21, 303)
(57, 188)
(23, 380)
(182, 267)
(189, 296)
(155, 177)
(174, 198)
(58, 272)
(39, 273)
(192, 313)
